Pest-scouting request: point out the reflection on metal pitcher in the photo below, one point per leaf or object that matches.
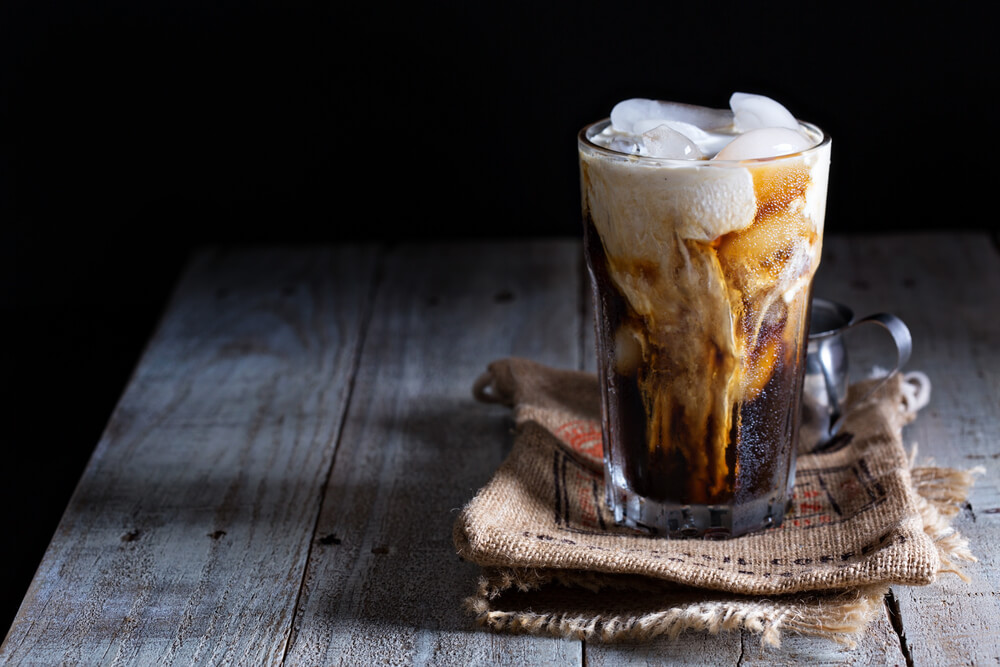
(824, 389)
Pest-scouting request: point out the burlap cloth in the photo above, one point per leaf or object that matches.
(553, 561)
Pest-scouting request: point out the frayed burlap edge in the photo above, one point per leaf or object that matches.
(835, 615)
(941, 492)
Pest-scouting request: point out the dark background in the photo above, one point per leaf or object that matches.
(132, 132)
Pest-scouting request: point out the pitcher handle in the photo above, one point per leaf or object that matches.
(904, 347)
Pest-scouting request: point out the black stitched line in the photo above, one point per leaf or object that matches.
(868, 474)
(829, 496)
(597, 506)
(555, 478)
(864, 482)
(565, 487)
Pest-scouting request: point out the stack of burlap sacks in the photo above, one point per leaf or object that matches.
(553, 561)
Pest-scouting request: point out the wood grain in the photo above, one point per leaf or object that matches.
(278, 483)
(947, 289)
(186, 539)
(383, 583)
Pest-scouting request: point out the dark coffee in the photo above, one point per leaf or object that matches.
(681, 469)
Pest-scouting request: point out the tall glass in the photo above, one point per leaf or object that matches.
(702, 277)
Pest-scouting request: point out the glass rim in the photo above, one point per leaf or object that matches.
(584, 141)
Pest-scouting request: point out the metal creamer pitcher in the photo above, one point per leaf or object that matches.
(824, 389)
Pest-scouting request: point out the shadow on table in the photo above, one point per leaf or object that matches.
(390, 509)
(236, 533)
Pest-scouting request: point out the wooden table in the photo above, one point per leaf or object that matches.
(279, 480)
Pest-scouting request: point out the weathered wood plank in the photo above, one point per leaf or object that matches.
(693, 648)
(384, 584)
(186, 539)
(946, 287)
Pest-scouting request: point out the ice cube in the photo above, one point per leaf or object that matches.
(624, 144)
(666, 142)
(692, 132)
(628, 113)
(752, 112)
(764, 142)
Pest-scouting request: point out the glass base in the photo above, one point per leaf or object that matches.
(705, 521)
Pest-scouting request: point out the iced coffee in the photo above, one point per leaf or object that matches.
(703, 229)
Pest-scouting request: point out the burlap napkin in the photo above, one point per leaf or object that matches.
(555, 563)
